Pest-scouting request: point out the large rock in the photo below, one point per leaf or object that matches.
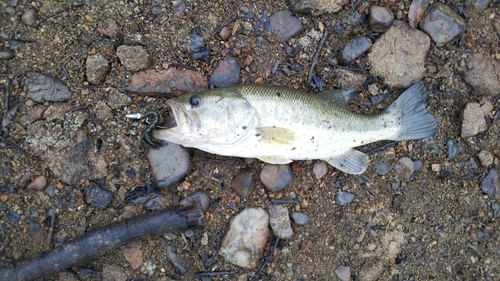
(244, 243)
(169, 164)
(317, 7)
(170, 82)
(442, 23)
(399, 55)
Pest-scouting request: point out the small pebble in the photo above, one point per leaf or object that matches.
(225, 33)
(356, 18)
(486, 158)
(404, 168)
(97, 67)
(417, 11)
(189, 233)
(13, 216)
(227, 73)
(320, 169)
(490, 184)
(133, 57)
(280, 221)
(473, 120)
(482, 74)
(35, 230)
(108, 27)
(98, 197)
(50, 190)
(381, 18)
(343, 198)
(6, 54)
(300, 218)
(179, 260)
(29, 17)
(343, 272)
(198, 47)
(38, 183)
(383, 168)
(199, 198)
(242, 183)
(276, 177)
(452, 149)
(285, 24)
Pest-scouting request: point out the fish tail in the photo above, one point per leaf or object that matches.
(414, 121)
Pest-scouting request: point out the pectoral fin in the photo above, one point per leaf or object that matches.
(276, 135)
(274, 159)
(352, 162)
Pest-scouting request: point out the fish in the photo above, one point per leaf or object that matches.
(277, 124)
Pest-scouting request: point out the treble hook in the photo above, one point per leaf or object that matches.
(145, 134)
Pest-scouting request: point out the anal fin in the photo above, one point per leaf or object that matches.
(351, 162)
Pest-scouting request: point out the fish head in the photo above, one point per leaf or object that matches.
(216, 117)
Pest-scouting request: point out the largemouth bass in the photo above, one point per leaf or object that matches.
(277, 124)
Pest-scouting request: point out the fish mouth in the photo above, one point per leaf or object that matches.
(178, 123)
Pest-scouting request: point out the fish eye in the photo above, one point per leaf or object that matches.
(195, 101)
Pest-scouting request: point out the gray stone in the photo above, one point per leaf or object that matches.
(242, 183)
(199, 198)
(404, 168)
(473, 122)
(244, 243)
(42, 87)
(133, 57)
(482, 74)
(198, 47)
(381, 18)
(169, 164)
(356, 48)
(383, 168)
(343, 272)
(317, 7)
(490, 184)
(343, 198)
(320, 169)
(97, 67)
(356, 18)
(6, 54)
(29, 17)
(452, 149)
(280, 221)
(98, 197)
(442, 23)
(227, 73)
(178, 259)
(399, 55)
(300, 218)
(481, 4)
(276, 177)
(285, 24)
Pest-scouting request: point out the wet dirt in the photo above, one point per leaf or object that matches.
(436, 226)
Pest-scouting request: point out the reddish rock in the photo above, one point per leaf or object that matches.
(170, 82)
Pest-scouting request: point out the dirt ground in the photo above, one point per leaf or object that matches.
(435, 226)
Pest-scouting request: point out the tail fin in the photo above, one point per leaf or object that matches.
(414, 121)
